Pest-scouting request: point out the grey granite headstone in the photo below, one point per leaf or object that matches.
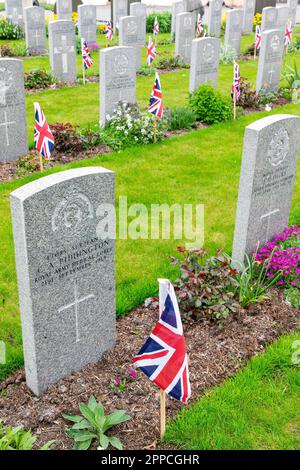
(282, 16)
(269, 62)
(271, 147)
(233, 31)
(14, 11)
(214, 18)
(13, 127)
(269, 18)
(87, 25)
(66, 272)
(139, 10)
(64, 9)
(249, 7)
(117, 79)
(185, 33)
(35, 29)
(292, 4)
(129, 36)
(62, 50)
(179, 6)
(120, 9)
(204, 62)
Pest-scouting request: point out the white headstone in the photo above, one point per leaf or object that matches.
(87, 25)
(62, 47)
(185, 33)
(35, 29)
(204, 62)
(129, 36)
(249, 7)
(64, 9)
(215, 18)
(233, 31)
(270, 58)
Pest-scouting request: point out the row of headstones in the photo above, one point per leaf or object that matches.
(66, 269)
(17, 14)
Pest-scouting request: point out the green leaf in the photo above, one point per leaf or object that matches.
(88, 414)
(115, 442)
(83, 424)
(73, 418)
(83, 436)
(104, 441)
(85, 445)
(92, 404)
(100, 418)
(116, 417)
(48, 445)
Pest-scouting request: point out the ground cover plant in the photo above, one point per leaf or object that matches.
(18, 438)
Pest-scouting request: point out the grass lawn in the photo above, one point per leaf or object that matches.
(259, 408)
(201, 167)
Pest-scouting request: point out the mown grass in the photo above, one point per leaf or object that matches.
(259, 408)
(201, 167)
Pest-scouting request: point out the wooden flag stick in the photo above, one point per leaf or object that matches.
(41, 162)
(83, 72)
(154, 130)
(234, 103)
(162, 413)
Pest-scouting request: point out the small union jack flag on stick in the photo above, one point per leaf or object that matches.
(156, 106)
(288, 33)
(43, 137)
(199, 25)
(109, 31)
(87, 60)
(257, 43)
(163, 357)
(236, 87)
(151, 51)
(156, 27)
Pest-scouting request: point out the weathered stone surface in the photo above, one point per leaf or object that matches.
(13, 127)
(214, 18)
(35, 29)
(129, 36)
(87, 26)
(271, 148)
(292, 4)
(270, 57)
(14, 11)
(204, 62)
(139, 10)
(66, 272)
(179, 6)
(117, 79)
(233, 31)
(120, 8)
(249, 7)
(269, 18)
(64, 9)
(185, 33)
(62, 47)
(282, 16)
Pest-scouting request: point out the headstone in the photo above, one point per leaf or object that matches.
(66, 272)
(179, 6)
(282, 16)
(292, 4)
(139, 10)
(64, 9)
(87, 26)
(35, 29)
(249, 6)
(215, 18)
(204, 62)
(269, 62)
(129, 36)
(233, 31)
(13, 127)
(117, 79)
(185, 33)
(260, 4)
(120, 9)
(14, 12)
(271, 147)
(62, 50)
(269, 18)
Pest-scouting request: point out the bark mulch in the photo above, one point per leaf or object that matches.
(214, 353)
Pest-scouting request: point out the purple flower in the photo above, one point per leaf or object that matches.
(132, 373)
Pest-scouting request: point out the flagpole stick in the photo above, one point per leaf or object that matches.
(83, 73)
(234, 103)
(41, 162)
(154, 130)
(162, 413)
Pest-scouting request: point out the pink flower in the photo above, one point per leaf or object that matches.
(132, 373)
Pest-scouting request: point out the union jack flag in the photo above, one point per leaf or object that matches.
(156, 103)
(86, 56)
(109, 31)
(163, 357)
(151, 51)
(257, 37)
(236, 89)
(156, 27)
(43, 137)
(199, 25)
(288, 34)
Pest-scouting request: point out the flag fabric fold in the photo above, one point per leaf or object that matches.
(288, 34)
(151, 51)
(257, 37)
(86, 55)
(43, 137)
(156, 27)
(156, 103)
(236, 84)
(109, 31)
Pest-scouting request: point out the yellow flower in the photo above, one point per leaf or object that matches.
(74, 16)
(257, 19)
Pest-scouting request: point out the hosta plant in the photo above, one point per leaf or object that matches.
(93, 424)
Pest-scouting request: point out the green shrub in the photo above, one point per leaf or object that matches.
(182, 118)
(37, 79)
(227, 54)
(19, 50)
(248, 97)
(19, 439)
(291, 75)
(164, 19)
(93, 424)
(169, 62)
(293, 296)
(9, 30)
(66, 137)
(209, 105)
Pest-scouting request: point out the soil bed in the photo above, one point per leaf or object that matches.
(214, 355)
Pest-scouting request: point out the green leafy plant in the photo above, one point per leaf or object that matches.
(291, 75)
(182, 118)
(18, 50)
(227, 54)
(164, 19)
(19, 439)
(9, 30)
(93, 424)
(209, 105)
(253, 282)
(170, 62)
(292, 295)
(90, 136)
(146, 71)
(67, 138)
(37, 79)
(267, 97)
(248, 97)
(28, 164)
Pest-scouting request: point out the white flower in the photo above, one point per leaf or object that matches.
(268, 108)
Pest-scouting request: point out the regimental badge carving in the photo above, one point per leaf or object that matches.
(279, 147)
(6, 81)
(36, 16)
(217, 5)
(120, 64)
(208, 53)
(72, 214)
(275, 42)
(187, 22)
(131, 28)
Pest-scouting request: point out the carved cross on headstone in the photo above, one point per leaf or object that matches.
(5, 124)
(265, 219)
(64, 49)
